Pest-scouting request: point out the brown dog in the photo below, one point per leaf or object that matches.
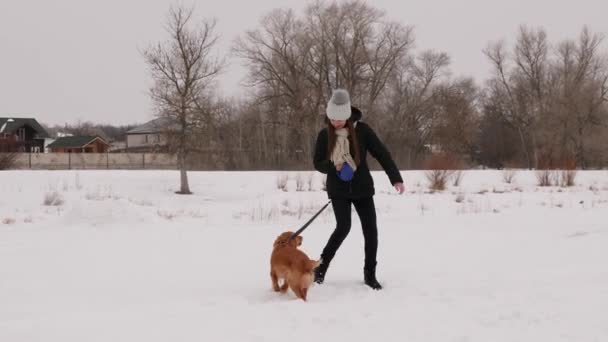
(289, 263)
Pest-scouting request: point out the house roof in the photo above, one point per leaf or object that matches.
(155, 126)
(74, 142)
(10, 125)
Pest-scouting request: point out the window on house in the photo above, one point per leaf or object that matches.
(21, 134)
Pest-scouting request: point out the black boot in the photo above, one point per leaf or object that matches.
(370, 278)
(320, 272)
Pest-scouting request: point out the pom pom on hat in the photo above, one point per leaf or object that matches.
(338, 107)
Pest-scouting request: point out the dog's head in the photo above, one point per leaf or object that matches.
(283, 239)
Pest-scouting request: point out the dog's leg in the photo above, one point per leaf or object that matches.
(304, 292)
(297, 290)
(275, 281)
(285, 286)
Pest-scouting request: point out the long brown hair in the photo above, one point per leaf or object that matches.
(352, 139)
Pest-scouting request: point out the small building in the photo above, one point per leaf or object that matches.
(79, 144)
(118, 146)
(151, 136)
(21, 135)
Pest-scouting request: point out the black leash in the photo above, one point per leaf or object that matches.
(299, 231)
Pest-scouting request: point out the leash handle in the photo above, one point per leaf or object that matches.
(299, 231)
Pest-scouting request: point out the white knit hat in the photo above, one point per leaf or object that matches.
(338, 107)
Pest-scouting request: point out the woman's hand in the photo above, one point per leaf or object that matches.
(399, 187)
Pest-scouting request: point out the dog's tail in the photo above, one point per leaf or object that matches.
(310, 265)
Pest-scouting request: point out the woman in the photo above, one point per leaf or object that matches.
(340, 152)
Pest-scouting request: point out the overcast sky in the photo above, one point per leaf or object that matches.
(68, 60)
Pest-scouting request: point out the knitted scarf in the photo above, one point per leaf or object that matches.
(341, 152)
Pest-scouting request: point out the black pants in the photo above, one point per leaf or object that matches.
(367, 214)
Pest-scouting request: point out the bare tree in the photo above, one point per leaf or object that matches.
(183, 69)
(497, 140)
(277, 56)
(554, 96)
(295, 62)
(356, 48)
(581, 81)
(520, 83)
(456, 125)
(411, 104)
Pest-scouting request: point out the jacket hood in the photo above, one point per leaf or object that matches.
(355, 114)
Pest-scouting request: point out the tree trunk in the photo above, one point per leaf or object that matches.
(534, 150)
(580, 149)
(183, 175)
(524, 147)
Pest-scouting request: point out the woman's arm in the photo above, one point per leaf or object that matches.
(322, 164)
(377, 149)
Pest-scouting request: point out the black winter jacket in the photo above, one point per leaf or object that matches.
(362, 184)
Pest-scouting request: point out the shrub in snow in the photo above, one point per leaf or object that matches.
(544, 171)
(168, 215)
(8, 220)
(300, 182)
(264, 213)
(309, 181)
(567, 177)
(281, 181)
(508, 175)
(568, 173)
(457, 177)
(440, 168)
(498, 190)
(544, 177)
(438, 179)
(52, 198)
(77, 182)
(561, 172)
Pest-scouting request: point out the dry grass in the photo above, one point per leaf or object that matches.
(459, 198)
(301, 182)
(567, 178)
(440, 168)
(309, 181)
(262, 212)
(457, 177)
(8, 220)
(545, 177)
(567, 174)
(508, 175)
(53, 198)
(438, 179)
(166, 214)
(281, 181)
(561, 172)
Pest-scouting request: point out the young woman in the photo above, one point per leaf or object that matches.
(341, 152)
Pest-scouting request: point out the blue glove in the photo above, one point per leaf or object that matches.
(346, 173)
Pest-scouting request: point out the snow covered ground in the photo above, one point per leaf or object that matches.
(122, 258)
